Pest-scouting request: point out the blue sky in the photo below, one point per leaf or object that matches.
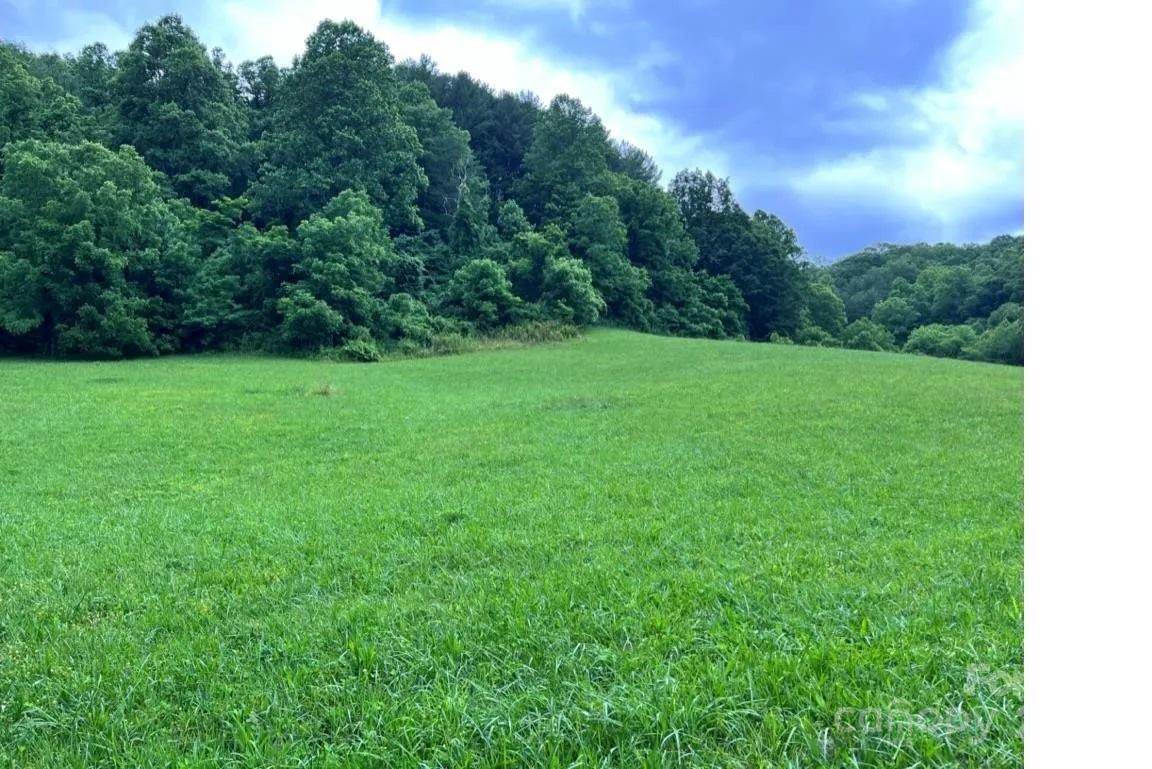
(857, 121)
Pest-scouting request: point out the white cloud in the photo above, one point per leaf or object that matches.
(575, 8)
(72, 28)
(956, 149)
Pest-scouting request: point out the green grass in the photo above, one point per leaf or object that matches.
(617, 551)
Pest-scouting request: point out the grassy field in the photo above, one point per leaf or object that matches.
(617, 551)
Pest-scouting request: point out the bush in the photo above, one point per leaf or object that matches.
(1003, 343)
(777, 338)
(568, 294)
(814, 336)
(359, 351)
(116, 331)
(480, 292)
(308, 323)
(941, 341)
(698, 304)
(864, 334)
(405, 319)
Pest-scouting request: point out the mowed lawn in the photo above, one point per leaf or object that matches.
(623, 550)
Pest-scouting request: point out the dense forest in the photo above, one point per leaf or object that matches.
(161, 199)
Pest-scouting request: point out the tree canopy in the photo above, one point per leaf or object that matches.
(337, 125)
(177, 108)
(159, 199)
(93, 258)
(943, 299)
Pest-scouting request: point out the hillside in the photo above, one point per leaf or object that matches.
(625, 548)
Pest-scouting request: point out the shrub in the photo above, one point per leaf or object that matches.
(1003, 343)
(814, 336)
(404, 318)
(864, 334)
(941, 340)
(568, 294)
(480, 292)
(698, 304)
(118, 330)
(359, 351)
(308, 323)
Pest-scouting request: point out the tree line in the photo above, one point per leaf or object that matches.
(945, 300)
(160, 199)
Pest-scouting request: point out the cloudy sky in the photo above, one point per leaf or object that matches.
(857, 121)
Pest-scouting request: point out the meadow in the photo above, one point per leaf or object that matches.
(620, 550)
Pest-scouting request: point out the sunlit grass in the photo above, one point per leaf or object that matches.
(617, 551)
